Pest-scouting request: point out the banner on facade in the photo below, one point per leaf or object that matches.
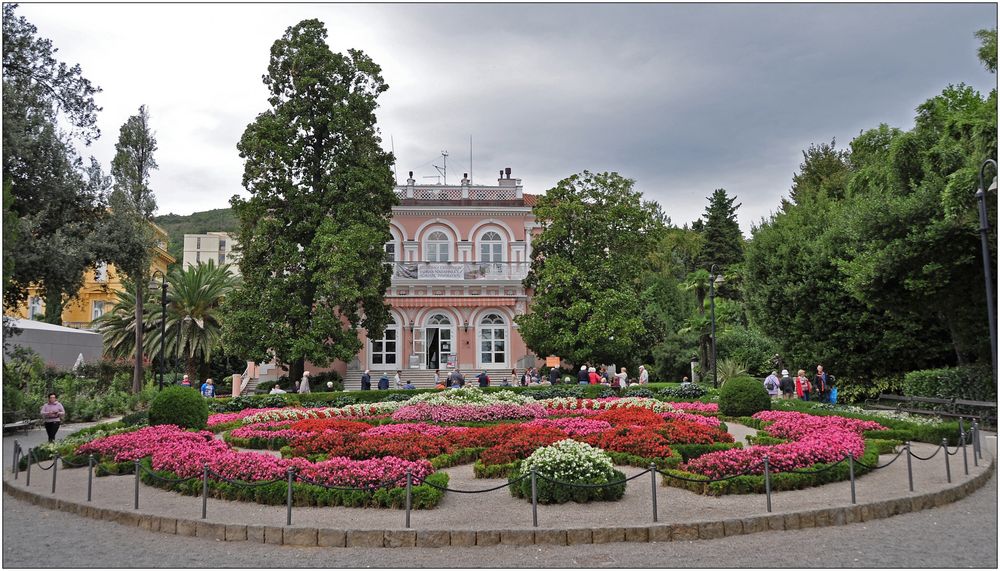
(441, 271)
(552, 361)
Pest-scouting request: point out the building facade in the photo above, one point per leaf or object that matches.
(219, 247)
(97, 296)
(459, 254)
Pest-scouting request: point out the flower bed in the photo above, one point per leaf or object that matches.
(569, 462)
(464, 413)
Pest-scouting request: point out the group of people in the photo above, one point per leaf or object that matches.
(302, 386)
(820, 388)
(606, 376)
(207, 388)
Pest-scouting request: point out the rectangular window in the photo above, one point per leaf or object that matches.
(197, 243)
(197, 257)
(97, 311)
(222, 245)
(390, 252)
(222, 259)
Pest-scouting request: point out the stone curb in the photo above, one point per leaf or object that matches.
(322, 537)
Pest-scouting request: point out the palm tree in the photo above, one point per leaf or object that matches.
(194, 295)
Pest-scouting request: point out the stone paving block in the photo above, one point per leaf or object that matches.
(732, 527)
(711, 530)
(776, 522)
(187, 528)
(807, 519)
(754, 524)
(822, 518)
(579, 536)
(866, 513)
(464, 538)
(400, 538)
(488, 538)
(365, 538)
(216, 531)
(433, 538)
(684, 532)
(168, 525)
(660, 533)
(273, 535)
(637, 534)
(149, 523)
(609, 535)
(255, 533)
(940, 500)
(236, 533)
(542, 537)
(881, 510)
(300, 536)
(331, 538)
(792, 521)
(903, 506)
(517, 537)
(838, 516)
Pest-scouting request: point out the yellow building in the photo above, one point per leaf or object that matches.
(97, 296)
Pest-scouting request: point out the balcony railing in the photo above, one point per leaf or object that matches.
(459, 271)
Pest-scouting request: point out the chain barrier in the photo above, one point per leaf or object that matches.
(929, 457)
(241, 483)
(383, 485)
(592, 486)
(167, 480)
(821, 470)
(877, 467)
(446, 489)
(747, 472)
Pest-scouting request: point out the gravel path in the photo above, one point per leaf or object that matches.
(962, 534)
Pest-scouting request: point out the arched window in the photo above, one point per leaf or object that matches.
(439, 320)
(390, 251)
(492, 340)
(384, 351)
(437, 248)
(491, 248)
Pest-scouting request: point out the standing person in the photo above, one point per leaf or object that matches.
(525, 378)
(484, 379)
(622, 378)
(437, 377)
(821, 385)
(513, 375)
(786, 384)
(397, 382)
(802, 388)
(383, 382)
(366, 381)
(643, 375)
(554, 375)
(208, 389)
(185, 382)
(459, 379)
(52, 413)
(449, 381)
(304, 384)
(592, 376)
(582, 376)
(773, 385)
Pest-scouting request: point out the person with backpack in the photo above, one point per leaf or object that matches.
(821, 384)
(772, 385)
(787, 386)
(484, 379)
(802, 385)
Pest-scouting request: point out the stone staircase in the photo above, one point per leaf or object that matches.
(424, 379)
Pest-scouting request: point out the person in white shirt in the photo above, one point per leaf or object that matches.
(643, 375)
(397, 381)
(276, 390)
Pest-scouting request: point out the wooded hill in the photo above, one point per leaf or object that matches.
(176, 226)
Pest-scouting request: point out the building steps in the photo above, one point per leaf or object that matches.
(424, 379)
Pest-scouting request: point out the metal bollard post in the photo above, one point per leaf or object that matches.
(204, 491)
(909, 465)
(136, 484)
(977, 444)
(767, 482)
(31, 457)
(90, 475)
(534, 500)
(965, 455)
(850, 465)
(55, 468)
(652, 483)
(947, 463)
(291, 475)
(409, 495)
(17, 459)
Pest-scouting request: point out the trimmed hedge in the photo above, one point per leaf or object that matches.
(971, 382)
(687, 452)
(461, 456)
(423, 496)
(780, 481)
(180, 406)
(493, 470)
(549, 492)
(743, 396)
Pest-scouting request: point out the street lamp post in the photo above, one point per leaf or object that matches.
(711, 296)
(984, 227)
(163, 319)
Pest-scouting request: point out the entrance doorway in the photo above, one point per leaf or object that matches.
(438, 335)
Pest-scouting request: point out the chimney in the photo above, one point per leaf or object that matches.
(409, 186)
(465, 179)
(507, 170)
(507, 182)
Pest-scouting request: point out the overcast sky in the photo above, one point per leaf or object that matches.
(683, 98)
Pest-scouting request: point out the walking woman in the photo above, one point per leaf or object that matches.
(52, 412)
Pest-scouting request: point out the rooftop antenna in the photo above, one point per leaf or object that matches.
(470, 159)
(443, 170)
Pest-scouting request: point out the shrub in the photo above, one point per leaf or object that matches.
(569, 462)
(971, 382)
(685, 391)
(743, 396)
(181, 406)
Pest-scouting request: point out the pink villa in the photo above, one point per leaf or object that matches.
(459, 254)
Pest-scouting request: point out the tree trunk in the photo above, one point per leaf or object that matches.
(137, 372)
(953, 333)
(295, 370)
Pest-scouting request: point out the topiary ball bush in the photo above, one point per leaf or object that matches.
(743, 396)
(181, 406)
